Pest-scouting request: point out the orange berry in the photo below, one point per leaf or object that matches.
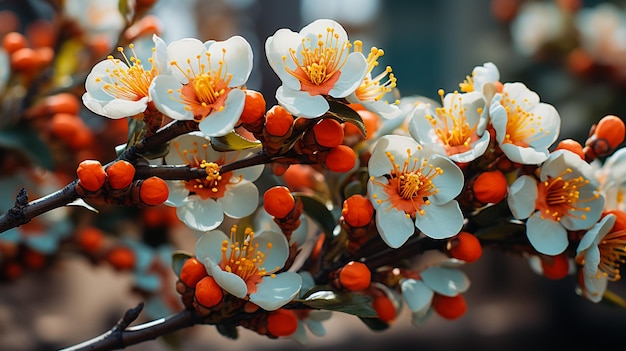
(466, 247)
(63, 125)
(91, 175)
(62, 103)
(122, 258)
(328, 132)
(208, 293)
(24, 59)
(13, 270)
(612, 129)
(579, 61)
(192, 272)
(278, 121)
(153, 191)
(384, 308)
(41, 33)
(44, 56)
(282, 322)
(620, 220)
(371, 121)
(34, 259)
(120, 174)
(355, 276)
(449, 307)
(14, 41)
(490, 187)
(357, 210)
(147, 25)
(278, 201)
(340, 159)
(555, 267)
(90, 239)
(573, 146)
(254, 107)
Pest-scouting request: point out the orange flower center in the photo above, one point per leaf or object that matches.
(214, 184)
(130, 83)
(207, 88)
(245, 259)
(410, 185)
(451, 127)
(318, 65)
(558, 197)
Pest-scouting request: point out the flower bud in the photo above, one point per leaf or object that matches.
(282, 322)
(208, 292)
(384, 308)
(328, 132)
(355, 276)
(120, 174)
(121, 258)
(90, 239)
(278, 201)
(91, 175)
(465, 246)
(278, 121)
(340, 159)
(153, 191)
(555, 267)
(13, 41)
(573, 146)
(192, 272)
(24, 59)
(607, 135)
(357, 211)
(490, 187)
(449, 307)
(254, 106)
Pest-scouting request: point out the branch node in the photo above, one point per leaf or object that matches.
(129, 317)
(17, 211)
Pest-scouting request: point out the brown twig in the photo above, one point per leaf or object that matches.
(121, 336)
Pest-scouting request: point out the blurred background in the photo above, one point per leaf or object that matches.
(571, 52)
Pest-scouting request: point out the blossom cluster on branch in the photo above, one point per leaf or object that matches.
(343, 197)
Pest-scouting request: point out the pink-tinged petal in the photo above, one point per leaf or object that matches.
(201, 215)
(275, 257)
(240, 199)
(209, 245)
(277, 47)
(445, 281)
(177, 194)
(160, 89)
(478, 149)
(449, 184)
(237, 55)
(230, 282)
(416, 294)
(180, 51)
(432, 225)
(219, 123)
(351, 77)
(394, 226)
(301, 103)
(274, 292)
(545, 235)
(522, 197)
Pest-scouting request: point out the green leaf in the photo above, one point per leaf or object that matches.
(24, 139)
(346, 114)
(127, 10)
(178, 260)
(228, 330)
(374, 324)
(315, 208)
(232, 142)
(354, 303)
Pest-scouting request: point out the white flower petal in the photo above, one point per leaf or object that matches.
(219, 123)
(240, 199)
(432, 225)
(445, 281)
(200, 214)
(417, 295)
(230, 282)
(351, 76)
(524, 155)
(301, 103)
(237, 55)
(596, 233)
(277, 47)
(277, 255)
(180, 51)
(522, 197)
(375, 192)
(163, 100)
(184, 142)
(394, 226)
(209, 245)
(449, 184)
(273, 293)
(546, 236)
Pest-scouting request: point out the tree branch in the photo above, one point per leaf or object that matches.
(121, 336)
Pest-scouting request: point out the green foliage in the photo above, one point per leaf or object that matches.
(354, 303)
(228, 330)
(178, 260)
(232, 142)
(345, 114)
(315, 208)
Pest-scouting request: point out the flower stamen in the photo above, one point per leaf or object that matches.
(131, 82)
